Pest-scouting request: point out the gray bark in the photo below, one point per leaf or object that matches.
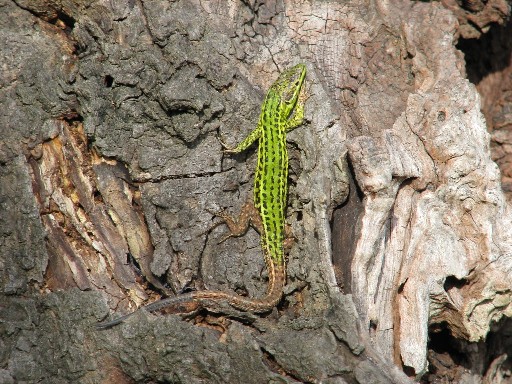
(110, 167)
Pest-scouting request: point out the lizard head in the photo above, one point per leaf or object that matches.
(288, 86)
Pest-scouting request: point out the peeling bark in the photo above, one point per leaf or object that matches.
(111, 166)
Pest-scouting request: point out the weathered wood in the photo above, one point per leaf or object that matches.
(111, 166)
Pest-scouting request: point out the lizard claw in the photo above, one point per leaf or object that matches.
(226, 219)
(225, 238)
(223, 216)
(226, 148)
(214, 225)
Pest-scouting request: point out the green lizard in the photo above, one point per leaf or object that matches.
(282, 111)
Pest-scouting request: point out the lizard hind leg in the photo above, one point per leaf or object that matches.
(238, 226)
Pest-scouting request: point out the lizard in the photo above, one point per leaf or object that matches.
(282, 110)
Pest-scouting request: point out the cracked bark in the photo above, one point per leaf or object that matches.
(110, 166)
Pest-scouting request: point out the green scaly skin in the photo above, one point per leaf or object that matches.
(282, 111)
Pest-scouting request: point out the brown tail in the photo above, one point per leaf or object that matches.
(277, 277)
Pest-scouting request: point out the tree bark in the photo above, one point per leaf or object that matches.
(111, 167)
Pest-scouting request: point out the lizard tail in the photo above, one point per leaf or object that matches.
(192, 300)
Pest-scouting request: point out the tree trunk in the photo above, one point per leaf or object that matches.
(111, 166)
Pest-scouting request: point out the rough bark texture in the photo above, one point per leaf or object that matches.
(110, 167)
